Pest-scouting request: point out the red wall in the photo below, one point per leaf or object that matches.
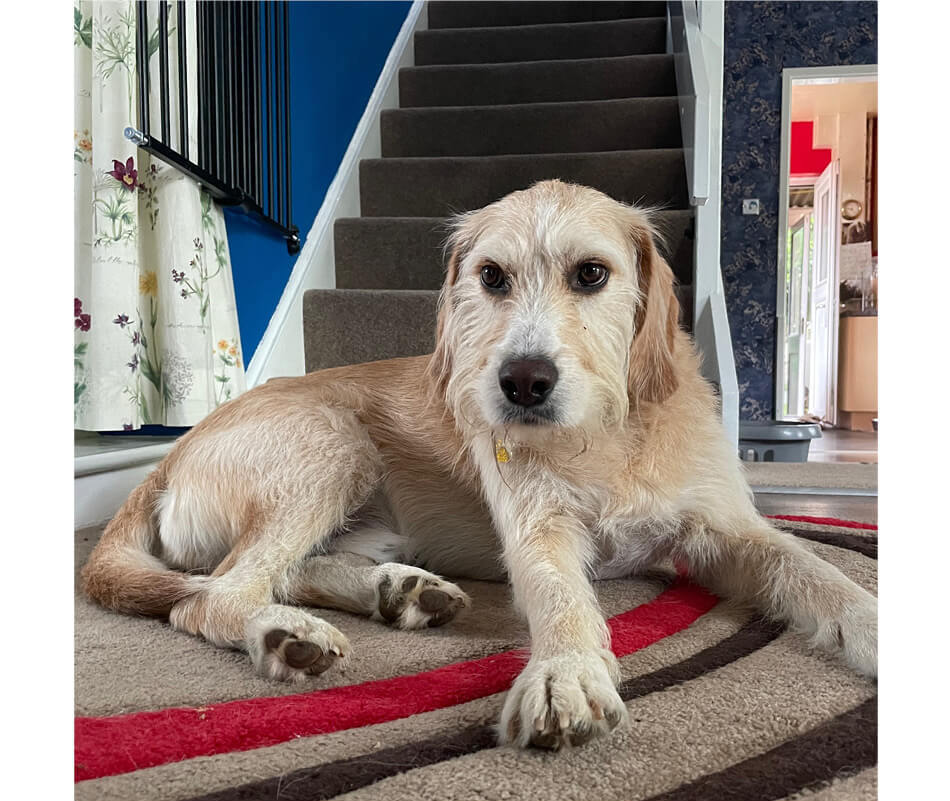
(805, 160)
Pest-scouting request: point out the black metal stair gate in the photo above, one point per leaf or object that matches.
(243, 102)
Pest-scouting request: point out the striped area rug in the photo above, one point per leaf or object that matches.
(722, 705)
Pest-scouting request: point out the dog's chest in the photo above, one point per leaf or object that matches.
(625, 546)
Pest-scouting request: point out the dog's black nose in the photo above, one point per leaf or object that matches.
(527, 382)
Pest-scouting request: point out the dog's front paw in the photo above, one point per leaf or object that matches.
(410, 598)
(853, 635)
(288, 644)
(564, 700)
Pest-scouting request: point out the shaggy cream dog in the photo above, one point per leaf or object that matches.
(560, 432)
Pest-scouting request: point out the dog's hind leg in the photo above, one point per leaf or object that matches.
(304, 501)
(404, 596)
(242, 606)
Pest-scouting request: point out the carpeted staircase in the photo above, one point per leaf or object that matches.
(502, 95)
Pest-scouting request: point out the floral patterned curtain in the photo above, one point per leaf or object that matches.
(155, 319)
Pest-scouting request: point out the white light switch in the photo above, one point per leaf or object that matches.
(750, 205)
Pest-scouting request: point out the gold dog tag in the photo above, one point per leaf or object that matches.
(501, 452)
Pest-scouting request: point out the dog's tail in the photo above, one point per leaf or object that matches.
(123, 573)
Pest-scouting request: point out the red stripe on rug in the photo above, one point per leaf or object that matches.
(107, 746)
(824, 521)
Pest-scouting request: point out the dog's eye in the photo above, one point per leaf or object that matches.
(591, 275)
(493, 277)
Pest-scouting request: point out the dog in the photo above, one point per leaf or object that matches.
(559, 433)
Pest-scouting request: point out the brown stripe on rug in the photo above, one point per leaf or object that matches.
(332, 779)
(860, 787)
(865, 544)
(840, 747)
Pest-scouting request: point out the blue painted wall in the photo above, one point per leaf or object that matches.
(337, 50)
(761, 39)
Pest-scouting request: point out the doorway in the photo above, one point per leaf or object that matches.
(827, 244)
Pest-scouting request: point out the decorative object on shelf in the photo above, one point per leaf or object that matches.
(855, 232)
(857, 273)
(851, 209)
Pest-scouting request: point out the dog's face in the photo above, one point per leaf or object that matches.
(556, 311)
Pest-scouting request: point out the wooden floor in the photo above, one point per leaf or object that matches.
(840, 445)
(846, 507)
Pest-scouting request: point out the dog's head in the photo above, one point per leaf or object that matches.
(556, 310)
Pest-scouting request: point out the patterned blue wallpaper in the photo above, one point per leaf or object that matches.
(761, 39)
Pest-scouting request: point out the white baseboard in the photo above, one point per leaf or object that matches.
(280, 352)
(106, 471)
(834, 491)
(98, 496)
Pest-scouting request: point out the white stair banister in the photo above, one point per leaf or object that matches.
(696, 42)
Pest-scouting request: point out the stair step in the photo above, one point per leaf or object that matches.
(574, 40)
(440, 187)
(472, 14)
(384, 252)
(351, 326)
(407, 252)
(587, 126)
(392, 323)
(537, 81)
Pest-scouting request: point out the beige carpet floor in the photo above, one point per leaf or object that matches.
(819, 475)
(729, 707)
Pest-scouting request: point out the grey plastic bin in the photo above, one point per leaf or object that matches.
(776, 441)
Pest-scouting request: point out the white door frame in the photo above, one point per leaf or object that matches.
(797, 75)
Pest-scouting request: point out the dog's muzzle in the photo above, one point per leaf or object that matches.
(527, 382)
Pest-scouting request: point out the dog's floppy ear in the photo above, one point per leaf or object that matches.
(440, 364)
(651, 376)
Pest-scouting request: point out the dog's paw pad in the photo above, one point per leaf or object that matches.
(298, 654)
(302, 645)
(434, 600)
(275, 637)
(418, 599)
